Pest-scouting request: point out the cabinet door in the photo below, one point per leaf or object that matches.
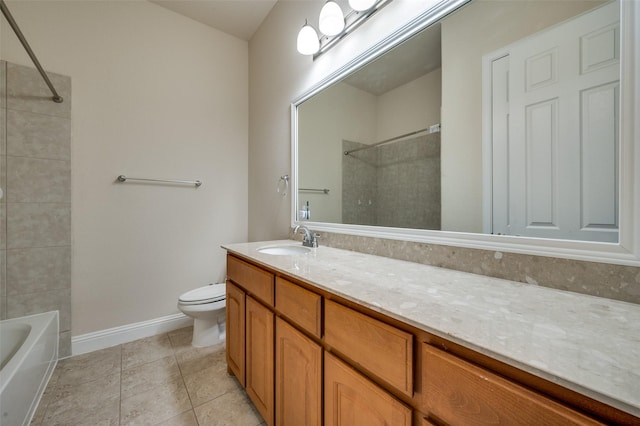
(235, 331)
(298, 377)
(260, 358)
(351, 399)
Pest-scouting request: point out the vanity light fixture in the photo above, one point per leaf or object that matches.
(331, 21)
(334, 25)
(308, 42)
(361, 5)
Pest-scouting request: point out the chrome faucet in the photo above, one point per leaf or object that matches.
(309, 239)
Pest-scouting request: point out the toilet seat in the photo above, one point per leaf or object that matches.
(202, 295)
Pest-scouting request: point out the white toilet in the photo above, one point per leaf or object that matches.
(206, 306)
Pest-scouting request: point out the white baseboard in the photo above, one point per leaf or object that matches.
(127, 333)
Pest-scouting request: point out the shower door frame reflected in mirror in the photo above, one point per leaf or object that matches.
(626, 251)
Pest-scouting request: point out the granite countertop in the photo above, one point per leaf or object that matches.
(584, 343)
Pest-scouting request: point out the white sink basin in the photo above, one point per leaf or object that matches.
(284, 250)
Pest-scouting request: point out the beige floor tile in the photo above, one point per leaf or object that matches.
(148, 376)
(145, 350)
(181, 339)
(187, 418)
(197, 359)
(88, 367)
(162, 379)
(233, 409)
(82, 396)
(98, 411)
(209, 384)
(155, 406)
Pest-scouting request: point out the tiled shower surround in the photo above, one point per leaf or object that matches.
(35, 168)
(404, 173)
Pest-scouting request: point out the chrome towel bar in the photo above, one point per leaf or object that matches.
(325, 190)
(197, 183)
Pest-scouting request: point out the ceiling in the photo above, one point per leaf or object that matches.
(414, 58)
(240, 18)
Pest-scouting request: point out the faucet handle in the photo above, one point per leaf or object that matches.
(314, 239)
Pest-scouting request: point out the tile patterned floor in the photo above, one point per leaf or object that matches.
(159, 380)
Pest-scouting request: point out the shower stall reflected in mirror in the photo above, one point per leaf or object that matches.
(395, 184)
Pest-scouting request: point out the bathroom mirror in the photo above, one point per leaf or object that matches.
(489, 124)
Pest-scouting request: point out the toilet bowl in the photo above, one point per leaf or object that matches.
(206, 306)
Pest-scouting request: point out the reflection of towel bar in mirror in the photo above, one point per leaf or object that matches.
(428, 130)
(325, 190)
(197, 183)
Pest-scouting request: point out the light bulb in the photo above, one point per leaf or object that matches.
(331, 19)
(308, 42)
(361, 5)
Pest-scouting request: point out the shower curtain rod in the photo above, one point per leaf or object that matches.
(431, 129)
(16, 29)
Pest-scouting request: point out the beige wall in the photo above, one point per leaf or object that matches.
(154, 95)
(410, 107)
(342, 112)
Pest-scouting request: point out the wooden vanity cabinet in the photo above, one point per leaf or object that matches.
(301, 306)
(298, 377)
(381, 349)
(308, 357)
(254, 280)
(352, 399)
(259, 375)
(235, 317)
(460, 393)
(298, 357)
(251, 332)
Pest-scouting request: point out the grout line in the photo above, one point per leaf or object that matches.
(13, 108)
(30, 157)
(174, 350)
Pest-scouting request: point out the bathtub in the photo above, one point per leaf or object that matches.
(29, 353)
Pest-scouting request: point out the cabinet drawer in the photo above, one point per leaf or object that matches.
(460, 393)
(299, 305)
(352, 399)
(253, 279)
(383, 350)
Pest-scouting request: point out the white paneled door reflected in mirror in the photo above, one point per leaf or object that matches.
(496, 122)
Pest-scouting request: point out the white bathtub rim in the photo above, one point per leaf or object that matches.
(12, 367)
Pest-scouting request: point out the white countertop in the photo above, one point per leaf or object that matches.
(584, 343)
